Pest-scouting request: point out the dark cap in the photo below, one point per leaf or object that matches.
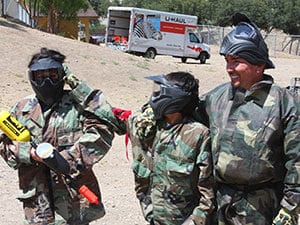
(246, 41)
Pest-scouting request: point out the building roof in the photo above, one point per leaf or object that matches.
(90, 12)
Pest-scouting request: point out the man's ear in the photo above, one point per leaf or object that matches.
(260, 69)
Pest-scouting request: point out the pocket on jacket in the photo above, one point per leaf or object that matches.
(180, 176)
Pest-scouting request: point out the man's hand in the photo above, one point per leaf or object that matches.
(70, 78)
(34, 155)
(285, 217)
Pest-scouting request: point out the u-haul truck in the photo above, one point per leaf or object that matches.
(150, 33)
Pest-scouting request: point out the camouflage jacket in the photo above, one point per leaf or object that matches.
(173, 177)
(81, 126)
(255, 137)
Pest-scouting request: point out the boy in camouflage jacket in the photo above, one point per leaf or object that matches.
(173, 173)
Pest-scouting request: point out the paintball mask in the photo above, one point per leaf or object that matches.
(167, 97)
(46, 78)
(246, 41)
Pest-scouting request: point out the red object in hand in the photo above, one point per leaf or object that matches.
(88, 194)
(121, 114)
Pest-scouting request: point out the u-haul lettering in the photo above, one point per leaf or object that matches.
(175, 19)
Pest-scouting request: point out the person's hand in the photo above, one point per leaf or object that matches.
(34, 155)
(70, 78)
(4, 138)
(285, 217)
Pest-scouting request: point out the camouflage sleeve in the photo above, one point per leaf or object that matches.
(93, 101)
(143, 126)
(99, 124)
(141, 189)
(291, 198)
(203, 212)
(14, 153)
(141, 165)
(92, 145)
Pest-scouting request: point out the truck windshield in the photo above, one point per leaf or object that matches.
(194, 38)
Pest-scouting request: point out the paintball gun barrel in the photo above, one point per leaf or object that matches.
(15, 131)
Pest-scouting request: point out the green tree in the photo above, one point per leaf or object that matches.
(138, 3)
(57, 9)
(290, 22)
(191, 7)
(267, 14)
(101, 6)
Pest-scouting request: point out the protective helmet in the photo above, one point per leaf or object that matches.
(170, 98)
(46, 75)
(246, 41)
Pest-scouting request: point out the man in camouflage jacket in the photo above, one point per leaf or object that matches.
(255, 133)
(79, 123)
(172, 171)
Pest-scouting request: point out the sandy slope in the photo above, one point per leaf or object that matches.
(120, 76)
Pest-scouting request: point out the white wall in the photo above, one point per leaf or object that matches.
(13, 9)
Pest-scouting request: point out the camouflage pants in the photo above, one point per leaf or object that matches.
(68, 207)
(257, 207)
(66, 212)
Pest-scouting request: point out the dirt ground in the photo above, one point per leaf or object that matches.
(121, 77)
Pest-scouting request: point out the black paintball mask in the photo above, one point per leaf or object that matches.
(167, 97)
(46, 78)
(246, 41)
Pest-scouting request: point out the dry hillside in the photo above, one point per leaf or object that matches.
(120, 76)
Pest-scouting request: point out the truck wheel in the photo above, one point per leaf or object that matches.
(202, 58)
(150, 53)
(183, 59)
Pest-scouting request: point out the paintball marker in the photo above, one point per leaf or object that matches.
(15, 131)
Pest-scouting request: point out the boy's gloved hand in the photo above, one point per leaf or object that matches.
(70, 78)
(285, 217)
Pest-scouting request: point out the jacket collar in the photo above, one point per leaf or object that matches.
(258, 92)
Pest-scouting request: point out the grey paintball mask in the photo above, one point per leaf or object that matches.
(167, 97)
(46, 78)
(246, 41)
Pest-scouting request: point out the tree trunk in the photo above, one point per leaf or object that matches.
(51, 19)
(56, 22)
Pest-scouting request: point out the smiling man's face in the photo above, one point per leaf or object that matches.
(242, 73)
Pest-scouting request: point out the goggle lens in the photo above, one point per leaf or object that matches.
(40, 76)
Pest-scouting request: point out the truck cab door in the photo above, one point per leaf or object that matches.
(192, 46)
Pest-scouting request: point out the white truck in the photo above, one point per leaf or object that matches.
(149, 33)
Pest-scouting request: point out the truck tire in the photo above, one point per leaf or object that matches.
(202, 57)
(183, 59)
(150, 53)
